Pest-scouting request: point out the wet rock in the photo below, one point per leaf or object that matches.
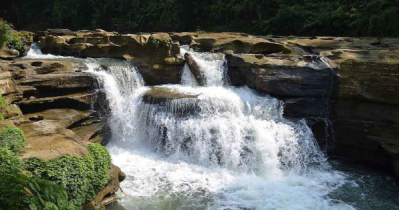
(159, 95)
(195, 69)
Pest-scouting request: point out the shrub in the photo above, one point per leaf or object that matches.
(82, 178)
(15, 43)
(9, 162)
(5, 32)
(12, 138)
(19, 191)
(10, 38)
(102, 164)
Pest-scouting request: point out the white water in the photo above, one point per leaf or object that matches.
(35, 53)
(229, 149)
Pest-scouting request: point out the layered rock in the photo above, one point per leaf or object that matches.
(235, 42)
(51, 101)
(156, 55)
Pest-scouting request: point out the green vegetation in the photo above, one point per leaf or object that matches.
(12, 138)
(81, 178)
(9, 162)
(3, 104)
(19, 191)
(10, 39)
(279, 17)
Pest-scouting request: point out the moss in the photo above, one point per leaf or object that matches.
(12, 138)
(81, 178)
(9, 162)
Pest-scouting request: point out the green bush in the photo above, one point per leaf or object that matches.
(82, 178)
(10, 39)
(5, 32)
(19, 191)
(12, 138)
(9, 162)
(102, 164)
(15, 43)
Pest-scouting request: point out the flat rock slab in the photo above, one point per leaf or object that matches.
(47, 135)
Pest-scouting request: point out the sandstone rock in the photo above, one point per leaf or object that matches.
(236, 42)
(79, 101)
(88, 132)
(7, 54)
(280, 76)
(159, 95)
(156, 55)
(48, 138)
(11, 111)
(6, 123)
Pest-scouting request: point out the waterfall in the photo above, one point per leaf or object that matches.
(224, 148)
(216, 147)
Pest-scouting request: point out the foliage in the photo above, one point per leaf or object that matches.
(9, 162)
(5, 32)
(81, 178)
(19, 191)
(155, 42)
(10, 38)
(3, 104)
(280, 17)
(102, 164)
(12, 138)
(16, 43)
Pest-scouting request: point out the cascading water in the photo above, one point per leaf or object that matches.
(216, 147)
(232, 149)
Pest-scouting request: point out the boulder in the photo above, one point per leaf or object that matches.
(281, 76)
(159, 95)
(6, 54)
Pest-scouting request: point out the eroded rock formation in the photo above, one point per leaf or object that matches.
(157, 55)
(51, 101)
